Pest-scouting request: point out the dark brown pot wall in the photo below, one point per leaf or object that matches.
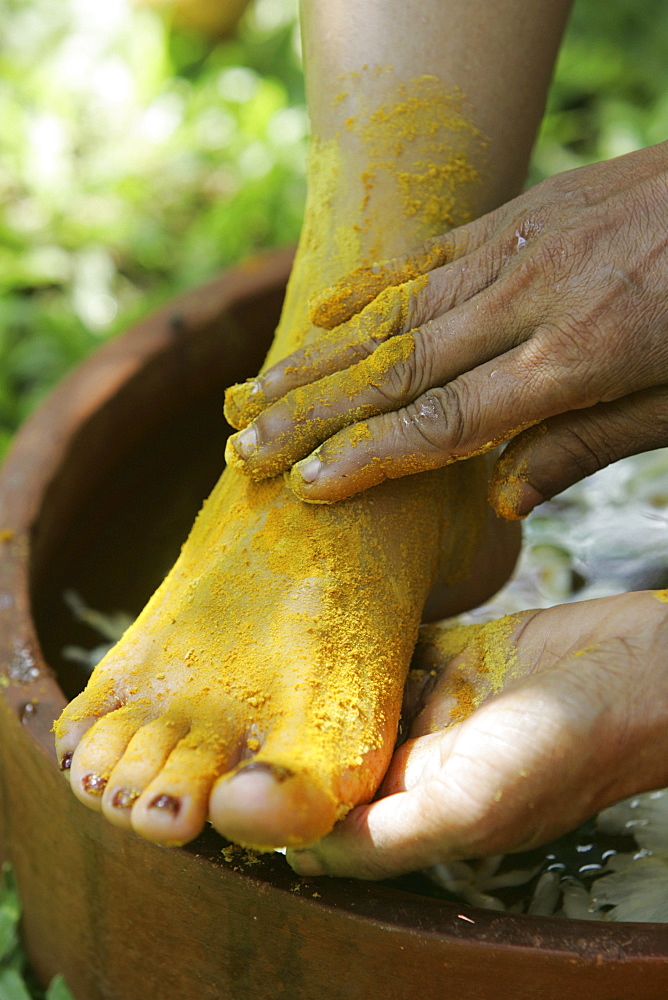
(97, 495)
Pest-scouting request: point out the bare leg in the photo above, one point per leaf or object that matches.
(261, 686)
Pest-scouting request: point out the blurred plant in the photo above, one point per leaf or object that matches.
(136, 161)
(609, 94)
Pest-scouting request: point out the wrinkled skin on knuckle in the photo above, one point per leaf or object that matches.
(403, 381)
(648, 417)
(432, 299)
(558, 366)
(542, 381)
(639, 424)
(438, 418)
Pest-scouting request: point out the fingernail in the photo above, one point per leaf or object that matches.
(252, 388)
(124, 798)
(245, 442)
(514, 498)
(167, 803)
(309, 469)
(243, 403)
(66, 761)
(93, 784)
(306, 863)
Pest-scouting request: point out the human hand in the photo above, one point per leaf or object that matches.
(549, 325)
(578, 724)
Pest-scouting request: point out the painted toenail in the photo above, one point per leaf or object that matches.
(305, 863)
(309, 469)
(124, 798)
(278, 773)
(245, 442)
(94, 784)
(66, 761)
(167, 803)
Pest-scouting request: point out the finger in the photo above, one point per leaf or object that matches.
(399, 833)
(433, 820)
(468, 416)
(351, 294)
(348, 296)
(466, 665)
(400, 370)
(396, 310)
(548, 458)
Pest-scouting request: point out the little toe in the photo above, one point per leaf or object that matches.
(173, 808)
(100, 748)
(77, 718)
(267, 805)
(142, 761)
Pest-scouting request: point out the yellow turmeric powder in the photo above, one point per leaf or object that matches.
(284, 631)
(488, 663)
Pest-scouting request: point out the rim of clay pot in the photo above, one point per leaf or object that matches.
(32, 493)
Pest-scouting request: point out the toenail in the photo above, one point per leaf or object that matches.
(277, 772)
(93, 784)
(125, 797)
(306, 864)
(167, 803)
(245, 442)
(309, 469)
(66, 761)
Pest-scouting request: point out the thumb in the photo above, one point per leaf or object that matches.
(546, 459)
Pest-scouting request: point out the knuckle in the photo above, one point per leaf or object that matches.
(399, 382)
(428, 303)
(404, 380)
(558, 365)
(440, 419)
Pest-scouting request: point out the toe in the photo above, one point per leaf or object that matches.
(295, 789)
(99, 749)
(173, 808)
(81, 713)
(143, 759)
(267, 805)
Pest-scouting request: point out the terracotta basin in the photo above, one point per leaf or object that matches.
(96, 495)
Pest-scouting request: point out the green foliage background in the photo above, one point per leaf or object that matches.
(136, 161)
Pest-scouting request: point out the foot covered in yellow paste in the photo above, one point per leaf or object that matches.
(261, 686)
(522, 729)
(257, 688)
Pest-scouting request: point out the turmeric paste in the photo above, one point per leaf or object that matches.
(488, 660)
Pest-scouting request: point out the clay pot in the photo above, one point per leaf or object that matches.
(97, 495)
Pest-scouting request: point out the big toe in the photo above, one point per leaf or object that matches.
(172, 809)
(266, 805)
